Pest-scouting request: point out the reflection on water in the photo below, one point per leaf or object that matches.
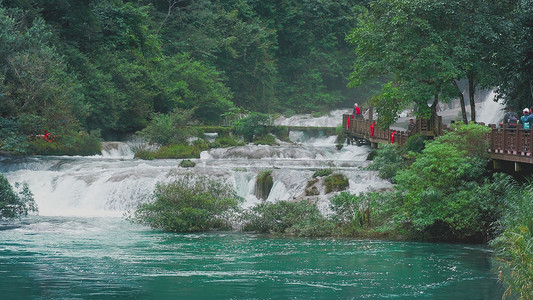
(108, 258)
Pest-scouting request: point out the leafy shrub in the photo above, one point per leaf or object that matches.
(187, 163)
(226, 141)
(263, 184)
(189, 204)
(322, 173)
(145, 154)
(388, 160)
(12, 139)
(514, 245)
(12, 204)
(336, 182)
(173, 128)
(71, 144)
(266, 140)
(180, 151)
(253, 127)
(368, 211)
(444, 192)
(300, 218)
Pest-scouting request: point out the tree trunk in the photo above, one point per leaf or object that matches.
(434, 106)
(462, 101)
(471, 92)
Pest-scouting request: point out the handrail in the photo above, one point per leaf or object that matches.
(505, 143)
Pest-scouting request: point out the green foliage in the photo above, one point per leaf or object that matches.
(335, 182)
(388, 161)
(226, 141)
(267, 139)
(514, 245)
(299, 218)
(419, 56)
(15, 204)
(189, 204)
(364, 214)
(253, 127)
(470, 138)
(173, 128)
(322, 173)
(444, 191)
(180, 151)
(263, 184)
(12, 140)
(187, 163)
(73, 144)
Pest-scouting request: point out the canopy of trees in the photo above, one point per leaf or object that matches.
(110, 66)
(421, 49)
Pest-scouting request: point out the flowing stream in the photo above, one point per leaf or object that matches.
(80, 247)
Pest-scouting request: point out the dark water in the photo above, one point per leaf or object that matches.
(108, 258)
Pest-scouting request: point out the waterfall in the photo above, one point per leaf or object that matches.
(491, 112)
(116, 149)
(114, 182)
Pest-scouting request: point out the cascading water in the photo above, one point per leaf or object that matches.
(491, 111)
(114, 182)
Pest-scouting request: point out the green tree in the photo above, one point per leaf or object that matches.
(514, 56)
(12, 204)
(421, 49)
(444, 191)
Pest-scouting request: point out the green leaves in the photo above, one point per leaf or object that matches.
(189, 204)
(15, 204)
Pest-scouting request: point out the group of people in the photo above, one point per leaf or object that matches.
(511, 118)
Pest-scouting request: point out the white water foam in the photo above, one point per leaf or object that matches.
(114, 183)
(491, 111)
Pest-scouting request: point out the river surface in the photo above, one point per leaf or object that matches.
(109, 258)
(81, 247)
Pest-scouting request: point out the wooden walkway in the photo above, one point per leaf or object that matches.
(505, 144)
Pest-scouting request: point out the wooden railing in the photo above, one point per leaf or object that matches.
(363, 129)
(510, 144)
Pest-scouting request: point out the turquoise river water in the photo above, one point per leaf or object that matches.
(109, 258)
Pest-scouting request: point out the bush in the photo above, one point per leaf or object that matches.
(444, 192)
(388, 161)
(263, 184)
(187, 163)
(226, 141)
(253, 127)
(12, 140)
(369, 213)
(266, 140)
(300, 218)
(173, 128)
(514, 245)
(180, 151)
(336, 182)
(189, 204)
(14, 205)
(322, 173)
(77, 143)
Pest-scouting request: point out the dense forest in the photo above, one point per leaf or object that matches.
(106, 69)
(108, 66)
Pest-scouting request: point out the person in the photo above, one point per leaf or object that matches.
(356, 111)
(525, 120)
(510, 118)
(411, 125)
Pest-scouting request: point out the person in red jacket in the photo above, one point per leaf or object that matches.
(356, 111)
